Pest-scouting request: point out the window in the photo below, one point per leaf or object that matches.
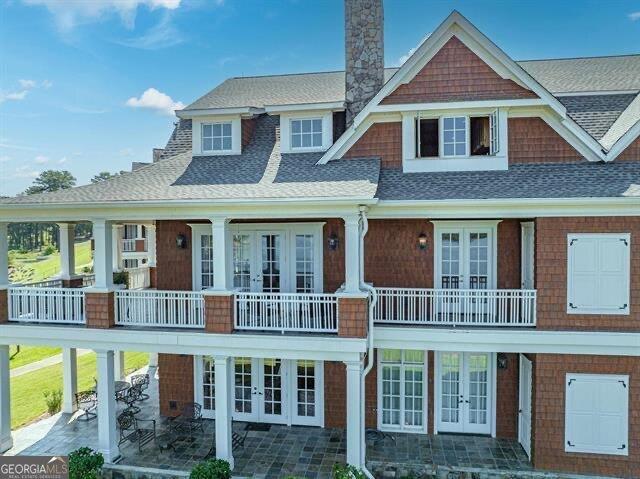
(305, 262)
(403, 389)
(306, 133)
(598, 273)
(130, 263)
(597, 413)
(457, 136)
(216, 136)
(130, 231)
(206, 261)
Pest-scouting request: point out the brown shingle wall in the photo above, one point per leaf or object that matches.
(631, 152)
(173, 265)
(509, 254)
(455, 73)
(218, 314)
(140, 246)
(531, 140)
(176, 382)
(507, 399)
(381, 140)
(247, 127)
(353, 314)
(4, 306)
(549, 400)
(99, 310)
(551, 273)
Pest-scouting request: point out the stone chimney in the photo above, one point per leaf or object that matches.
(364, 49)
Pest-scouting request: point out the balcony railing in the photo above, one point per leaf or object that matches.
(138, 278)
(129, 245)
(50, 283)
(464, 307)
(159, 309)
(46, 305)
(284, 312)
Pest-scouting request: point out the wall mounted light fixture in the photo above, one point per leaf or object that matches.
(422, 241)
(502, 361)
(333, 242)
(181, 241)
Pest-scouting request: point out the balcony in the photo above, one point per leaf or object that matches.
(134, 245)
(46, 305)
(456, 307)
(159, 309)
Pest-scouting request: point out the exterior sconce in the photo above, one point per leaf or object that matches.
(422, 241)
(181, 241)
(502, 361)
(333, 242)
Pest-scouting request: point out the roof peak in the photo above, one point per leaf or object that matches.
(580, 58)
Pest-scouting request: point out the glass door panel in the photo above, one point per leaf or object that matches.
(206, 261)
(242, 262)
(307, 392)
(270, 263)
(450, 277)
(245, 389)
(477, 386)
(208, 387)
(478, 260)
(272, 399)
(450, 392)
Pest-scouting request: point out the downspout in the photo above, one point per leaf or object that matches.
(364, 228)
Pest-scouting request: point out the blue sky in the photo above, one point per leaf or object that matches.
(73, 72)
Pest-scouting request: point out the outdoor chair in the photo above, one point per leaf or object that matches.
(190, 418)
(141, 380)
(87, 402)
(132, 396)
(237, 440)
(132, 429)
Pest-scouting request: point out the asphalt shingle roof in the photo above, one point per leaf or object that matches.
(596, 113)
(540, 180)
(260, 172)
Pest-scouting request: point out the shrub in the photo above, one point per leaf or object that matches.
(85, 463)
(211, 469)
(121, 277)
(346, 471)
(87, 269)
(53, 400)
(49, 250)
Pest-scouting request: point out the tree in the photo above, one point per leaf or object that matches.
(51, 180)
(102, 176)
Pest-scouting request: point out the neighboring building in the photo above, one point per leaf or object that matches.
(465, 229)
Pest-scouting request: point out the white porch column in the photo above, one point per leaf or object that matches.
(103, 255)
(219, 231)
(4, 255)
(223, 380)
(107, 434)
(67, 250)
(69, 379)
(6, 442)
(118, 365)
(355, 427)
(351, 254)
(153, 360)
(116, 246)
(151, 244)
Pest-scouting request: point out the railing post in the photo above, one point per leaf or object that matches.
(4, 272)
(353, 315)
(6, 442)
(219, 311)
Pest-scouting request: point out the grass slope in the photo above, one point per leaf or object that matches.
(24, 267)
(30, 354)
(27, 399)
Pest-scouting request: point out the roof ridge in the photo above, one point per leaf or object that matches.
(579, 58)
(295, 74)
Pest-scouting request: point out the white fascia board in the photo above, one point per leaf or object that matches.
(507, 340)
(332, 106)
(595, 93)
(141, 211)
(506, 208)
(328, 348)
(459, 105)
(245, 110)
(625, 140)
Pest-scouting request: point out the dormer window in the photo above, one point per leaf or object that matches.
(306, 133)
(216, 137)
(454, 136)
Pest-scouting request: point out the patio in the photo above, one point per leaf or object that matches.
(279, 451)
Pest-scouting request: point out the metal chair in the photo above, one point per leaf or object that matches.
(141, 380)
(133, 395)
(190, 418)
(87, 402)
(132, 429)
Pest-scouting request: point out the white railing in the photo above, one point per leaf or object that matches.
(88, 280)
(46, 305)
(50, 283)
(161, 309)
(129, 245)
(467, 307)
(138, 278)
(303, 312)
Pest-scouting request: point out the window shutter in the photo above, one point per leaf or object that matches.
(597, 413)
(598, 273)
(494, 132)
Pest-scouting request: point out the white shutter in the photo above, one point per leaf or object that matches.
(597, 413)
(598, 273)
(494, 133)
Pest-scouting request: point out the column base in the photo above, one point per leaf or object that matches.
(6, 444)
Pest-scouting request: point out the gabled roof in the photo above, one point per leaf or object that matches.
(597, 113)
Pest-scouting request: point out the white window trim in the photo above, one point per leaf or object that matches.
(285, 130)
(441, 136)
(411, 163)
(222, 137)
(625, 431)
(312, 133)
(425, 398)
(600, 311)
(236, 135)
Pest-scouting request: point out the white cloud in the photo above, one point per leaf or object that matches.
(25, 172)
(27, 84)
(162, 35)
(15, 96)
(25, 87)
(407, 55)
(153, 99)
(4, 158)
(41, 159)
(46, 84)
(633, 16)
(62, 160)
(69, 13)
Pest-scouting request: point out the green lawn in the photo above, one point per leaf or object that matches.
(27, 400)
(30, 354)
(25, 268)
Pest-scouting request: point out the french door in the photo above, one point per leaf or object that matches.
(465, 392)
(267, 390)
(464, 258)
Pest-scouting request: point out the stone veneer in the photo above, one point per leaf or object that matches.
(364, 53)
